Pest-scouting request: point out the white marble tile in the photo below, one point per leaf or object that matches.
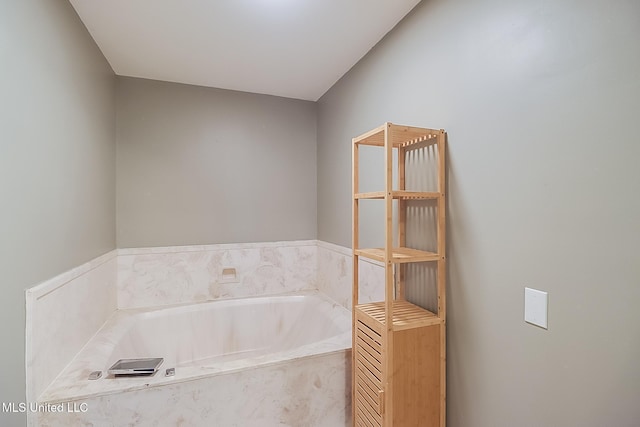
(164, 277)
(221, 246)
(201, 340)
(299, 375)
(371, 275)
(335, 266)
(312, 392)
(52, 284)
(335, 272)
(305, 385)
(63, 313)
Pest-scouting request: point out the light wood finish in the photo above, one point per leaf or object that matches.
(441, 233)
(401, 136)
(399, 255)
(387, 336)
(354, 258)
(442, 271)
(400, 195)
(367, 346)
(417, 356)
(402, 219)
(398, 347)
(372, 134)
(405, 315)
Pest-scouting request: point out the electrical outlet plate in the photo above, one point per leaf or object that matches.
(535, 307)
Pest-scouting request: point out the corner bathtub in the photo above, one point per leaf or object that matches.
(262, 361)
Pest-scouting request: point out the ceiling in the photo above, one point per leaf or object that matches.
(291, 48)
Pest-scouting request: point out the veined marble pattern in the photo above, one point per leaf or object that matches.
(335, 268)
(312, 392)
(371, 275)
(334, 272)
(211, 338)
(63, 313)
(307, 385)
(264, 361)
(219, 246)
(164, 276)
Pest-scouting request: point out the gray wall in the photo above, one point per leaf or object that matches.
(198, 165)
(541, 102)
(57, 163)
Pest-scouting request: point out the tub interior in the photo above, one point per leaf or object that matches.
(227, 330)
(205, 339)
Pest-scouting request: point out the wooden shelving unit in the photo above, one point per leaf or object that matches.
(399, 347)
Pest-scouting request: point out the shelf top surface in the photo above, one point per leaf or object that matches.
(400, 194)
(398, 255)
(404, 313)
(401, 136)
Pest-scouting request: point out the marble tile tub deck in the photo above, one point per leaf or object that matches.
(206, 339)
(268, 347)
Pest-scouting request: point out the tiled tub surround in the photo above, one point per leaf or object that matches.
(65, 312)
(312, 391)
(184, 274)
(335, 266)
(62, 314)
(263, 361)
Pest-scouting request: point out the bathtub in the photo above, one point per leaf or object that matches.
(263, 361)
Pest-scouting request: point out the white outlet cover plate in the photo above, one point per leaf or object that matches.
(535, 307)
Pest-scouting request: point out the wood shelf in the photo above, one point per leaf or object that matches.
(400, 195)
(401, 136)
(399, 255)
(399, 348)
(405, 315)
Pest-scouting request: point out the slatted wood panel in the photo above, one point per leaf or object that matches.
(405, 315)
(400, 136)
(373, 137)
(368, 376)
(414, 138)
(400, 195)
(399, 255)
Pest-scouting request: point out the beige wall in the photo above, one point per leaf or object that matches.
(57, 163)
(199, 165)
(541, 103)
